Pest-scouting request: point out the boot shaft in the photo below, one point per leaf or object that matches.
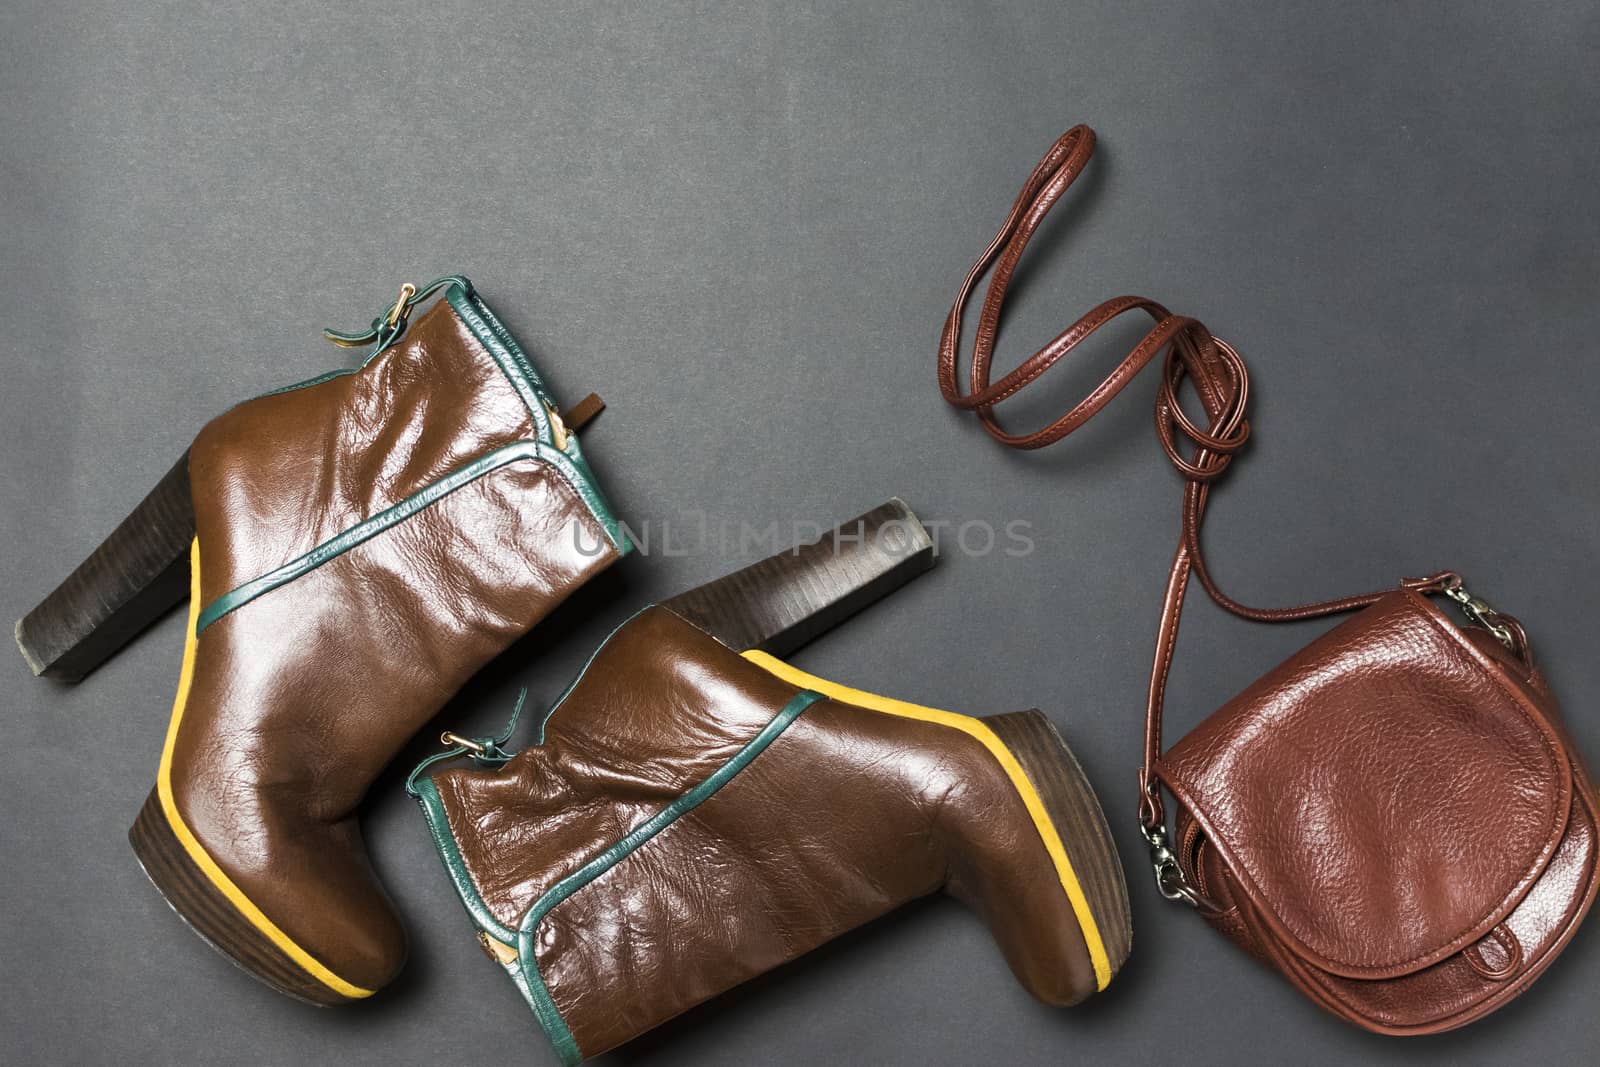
(353, 549)
(691, 817)
(364, 544)
(282, 473)
(368, 541)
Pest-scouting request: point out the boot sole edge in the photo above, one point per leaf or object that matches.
(1074, 809)
(1061, 805)
(205, 910)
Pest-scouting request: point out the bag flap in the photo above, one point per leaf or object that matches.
(1385, 797)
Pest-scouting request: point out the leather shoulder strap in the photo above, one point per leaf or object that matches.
(1213, 367)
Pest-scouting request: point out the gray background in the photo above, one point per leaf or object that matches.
(743, 225)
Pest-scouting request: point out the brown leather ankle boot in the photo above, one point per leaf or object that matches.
(694, 812)
(354, 548)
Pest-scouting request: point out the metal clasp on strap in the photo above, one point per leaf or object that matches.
(1478, 611)
(1170, 879)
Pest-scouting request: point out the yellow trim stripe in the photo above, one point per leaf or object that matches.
(186, 837)
(977, 730)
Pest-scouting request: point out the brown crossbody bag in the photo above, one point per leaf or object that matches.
(1395, 817)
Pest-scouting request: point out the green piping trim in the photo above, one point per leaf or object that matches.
(412, 788)
(485, 326)
(427, 795)
(509, 342)
(491, 751)
(378, 333)
(514, 363)
(309, 382)
(544, 1007)
(602, 509)
(405, 509)
(505, 755)
(507, 353)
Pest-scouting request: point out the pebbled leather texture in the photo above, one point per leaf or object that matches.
(845, 815)
(303, 694)
(1399, 742)
(1395, 817)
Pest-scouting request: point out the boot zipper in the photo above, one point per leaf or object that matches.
(496, 950)
(386, 329)
(558, 429)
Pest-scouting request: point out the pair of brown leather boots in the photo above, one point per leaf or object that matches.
(693, 811)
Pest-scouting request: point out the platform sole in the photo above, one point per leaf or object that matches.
(210, 914)
(1074, 810)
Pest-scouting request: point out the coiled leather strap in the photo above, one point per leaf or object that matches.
(1190, 352)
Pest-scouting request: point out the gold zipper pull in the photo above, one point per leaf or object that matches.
(384, 328)
(398, 312)
(466, 744)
